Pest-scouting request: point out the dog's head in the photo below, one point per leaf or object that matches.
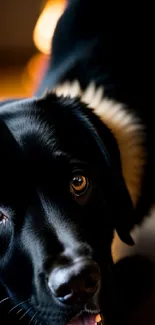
(62, 195)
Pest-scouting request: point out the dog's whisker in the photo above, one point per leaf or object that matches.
(32, 318)
(25, 313)
(36, 322)
(19, 311)
(5, 299)
(17, 306)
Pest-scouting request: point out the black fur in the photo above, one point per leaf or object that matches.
(44, 140)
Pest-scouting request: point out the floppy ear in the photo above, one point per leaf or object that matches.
(10, 164)
(8, 145)
(123, 218)
(119, 198)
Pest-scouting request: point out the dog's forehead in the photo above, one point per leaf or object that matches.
(51, 124)
(72, 128)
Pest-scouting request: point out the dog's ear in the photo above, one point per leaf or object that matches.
(123, 217)
(10, 162)
(120, 202)
(9, 166)
(8, 145)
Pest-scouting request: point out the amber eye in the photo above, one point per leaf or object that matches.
(79, 184)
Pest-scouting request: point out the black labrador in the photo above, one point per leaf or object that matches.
(77, 163)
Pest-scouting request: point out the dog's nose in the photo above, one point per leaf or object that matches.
(76, 283)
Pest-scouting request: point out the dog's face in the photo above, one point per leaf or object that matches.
(62, 195)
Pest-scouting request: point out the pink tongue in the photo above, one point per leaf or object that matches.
(87, 320)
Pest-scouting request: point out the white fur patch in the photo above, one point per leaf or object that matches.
(126, 128)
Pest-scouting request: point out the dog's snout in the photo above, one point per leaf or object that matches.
(75, 283)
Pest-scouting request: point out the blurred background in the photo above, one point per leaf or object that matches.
(26, 30)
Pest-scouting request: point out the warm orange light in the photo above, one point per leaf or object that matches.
(46, 24)
(34, 72)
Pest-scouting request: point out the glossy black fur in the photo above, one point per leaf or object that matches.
(44, 140)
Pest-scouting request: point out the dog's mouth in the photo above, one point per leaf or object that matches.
(87, 320)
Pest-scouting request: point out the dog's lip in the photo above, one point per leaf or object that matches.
(86, 316)
(87, 319)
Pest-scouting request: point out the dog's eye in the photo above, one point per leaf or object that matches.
(79, 184)
(3, 217)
